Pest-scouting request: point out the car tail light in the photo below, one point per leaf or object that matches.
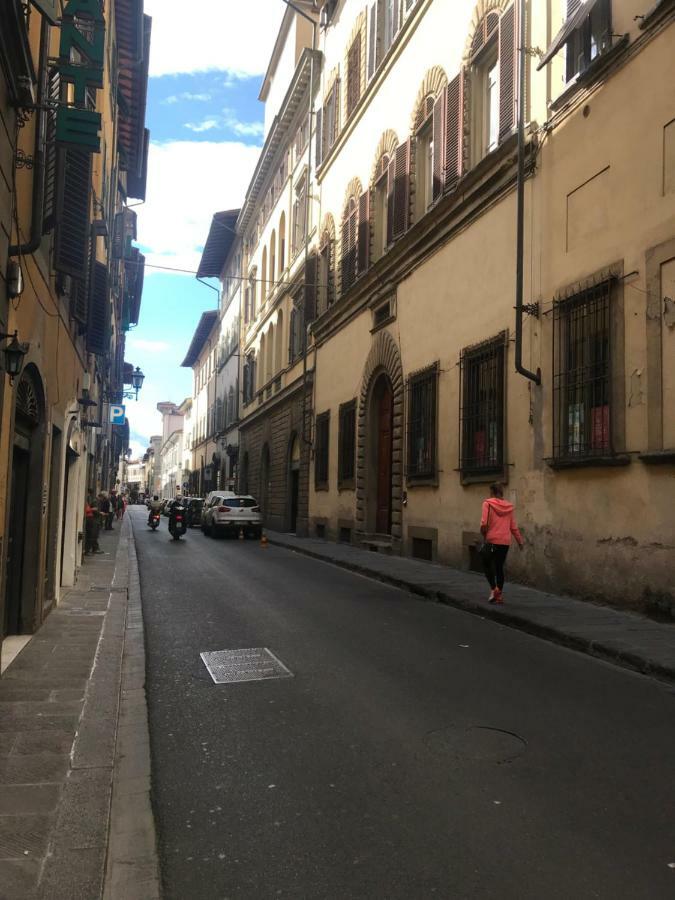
(224, 509)
(179, 518)
(255, 509)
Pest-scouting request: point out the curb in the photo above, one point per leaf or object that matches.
(626, 659)
(132, 868)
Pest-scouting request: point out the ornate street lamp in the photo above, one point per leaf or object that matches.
(137, 380)
(14, 354)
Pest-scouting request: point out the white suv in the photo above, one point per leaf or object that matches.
(233, 513)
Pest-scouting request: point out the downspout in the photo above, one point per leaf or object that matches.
(520, 190)
(37, 217)
(305, 438)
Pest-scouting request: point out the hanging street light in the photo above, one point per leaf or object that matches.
(137, 380)
(14, 353)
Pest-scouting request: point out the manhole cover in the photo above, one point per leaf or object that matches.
(479, 743)
(232, 666)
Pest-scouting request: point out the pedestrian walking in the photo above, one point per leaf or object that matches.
(121, 506)
(91, 527)
(498, 526)
(105, 509)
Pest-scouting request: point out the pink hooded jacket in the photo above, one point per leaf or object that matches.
(501, 522)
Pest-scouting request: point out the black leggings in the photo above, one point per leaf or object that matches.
(494, 565)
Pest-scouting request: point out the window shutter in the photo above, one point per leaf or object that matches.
(311, 272)
(372, 40)
(336, 110)
(364, 232)
(72, 214)
(79, 302)
(507, 72)
(354, 74)
(395, 24)
(318, 137)
(98, 324)
(391, 181)
(572, 7)
(52, 152)
(401, 188)
(344, 255)
(438, 126)
(379, 40)
(454, 131)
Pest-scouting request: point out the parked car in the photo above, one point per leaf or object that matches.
(232, 513)
(194, 506)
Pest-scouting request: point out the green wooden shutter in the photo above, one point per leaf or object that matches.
(52, 152)
(507, 72)
(98, 322)
(72, 213)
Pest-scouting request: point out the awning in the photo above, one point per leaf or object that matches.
(222, 235)
(563, 35)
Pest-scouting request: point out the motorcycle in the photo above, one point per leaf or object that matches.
(153, 520)
(177, 521)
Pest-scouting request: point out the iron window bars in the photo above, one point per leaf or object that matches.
(581, 374)
(481, 413)
(321, 450)
(422, 430)
(346, 444)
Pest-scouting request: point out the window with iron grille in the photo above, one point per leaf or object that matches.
(422, 428)
(482, 408)
(321, 450)
(346, 444)
(581, 374)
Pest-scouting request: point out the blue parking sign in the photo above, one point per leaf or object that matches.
(117, 414)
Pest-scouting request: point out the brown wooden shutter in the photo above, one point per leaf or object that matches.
(507, 72)
(52, 153)
(454, 131)
(311, 277)
(354, 74)
(344, 255)
(438, 126)
(98, 323)
(401, 189)
(372, 40)
(72, 214)
(319, 137)
(572, 7)
(336, 110)
(364, 232)
(391, 181)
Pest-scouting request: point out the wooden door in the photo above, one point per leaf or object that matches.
(385, 415)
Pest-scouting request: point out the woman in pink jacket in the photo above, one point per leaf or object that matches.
(497, 524)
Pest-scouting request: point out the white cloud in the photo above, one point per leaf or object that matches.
(222, 35)
(148, 346)
(228, 121)
(206, 125)
(188, 181)
(186, 95)
(248, 129)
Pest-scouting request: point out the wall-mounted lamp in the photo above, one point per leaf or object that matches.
(14, 279)
(14, 353)
(137, 380)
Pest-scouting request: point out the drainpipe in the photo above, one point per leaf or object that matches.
(520, 226)
(37, 217)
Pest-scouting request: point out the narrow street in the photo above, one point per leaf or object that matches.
(417, 751)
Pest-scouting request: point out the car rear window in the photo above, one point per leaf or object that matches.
(239, 502)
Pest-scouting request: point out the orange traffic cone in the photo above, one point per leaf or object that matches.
(241, 534)
(264, 543)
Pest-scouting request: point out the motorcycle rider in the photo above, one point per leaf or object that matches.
(154, 507)
(178, 506)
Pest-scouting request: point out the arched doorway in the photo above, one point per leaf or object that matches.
(380, 454)
(293, 482)
(24, 538)
(264, 498)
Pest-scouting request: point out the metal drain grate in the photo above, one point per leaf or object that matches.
(232, 666)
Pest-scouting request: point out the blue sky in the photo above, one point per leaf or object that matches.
(206, 129)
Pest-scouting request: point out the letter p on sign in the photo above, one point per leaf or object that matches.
(117, 415)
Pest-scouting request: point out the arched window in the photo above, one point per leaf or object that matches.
(282, 243)
(349, 236)
(427, 157)
(263, 283)
(273, 253)
(380, 207)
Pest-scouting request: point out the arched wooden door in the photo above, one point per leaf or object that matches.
(384, 410)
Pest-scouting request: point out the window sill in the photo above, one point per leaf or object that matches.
(383, 324)
(414, 481)
(321, 487)
(347, 485)
(597, 462)
(657, 457)
(591, 74)
(484, 477)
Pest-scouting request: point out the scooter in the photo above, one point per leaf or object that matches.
(177, 522)
(153, 521)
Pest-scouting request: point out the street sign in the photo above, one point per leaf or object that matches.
(117, 414)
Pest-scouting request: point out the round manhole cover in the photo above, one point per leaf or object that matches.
(479, 743)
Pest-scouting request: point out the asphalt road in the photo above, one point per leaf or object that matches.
(417, 752)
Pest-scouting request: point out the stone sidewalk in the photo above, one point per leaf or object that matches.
(75, 815)
(623, 638)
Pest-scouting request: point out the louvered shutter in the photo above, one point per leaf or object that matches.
(98, 323)
(454, 131)
(401, 185)
(72, 213)
(572, 7)
(372, 40)
(364, 232)
(395, 23)
(438, 126)
(52, 153)
(391, 181)
(311, 272)
(336, 110)
(79, 301)
(507, 72)
(318, 137)
(354, 74)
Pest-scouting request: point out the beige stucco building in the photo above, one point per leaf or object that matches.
(417, 405)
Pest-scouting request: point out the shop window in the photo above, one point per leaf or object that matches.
(422, 424)
(581, 375)
(482, 408)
